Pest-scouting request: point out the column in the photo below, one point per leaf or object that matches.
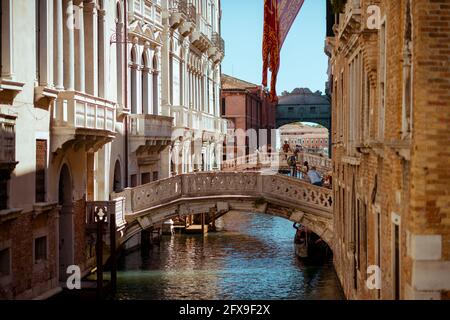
(58, 45)
(102, 55)
(133, 88)
(197, 93)
(45, 43)
(189, 100)
(156, 79)
(165, 86)
(146, 89)
(91, 47)
(90, 174)
(150, 109)
(7, 40)
(119, 64)
(69, 46)
(79, 49)
(202, 95)
(194, 91)
(185, 77)
(205, 90)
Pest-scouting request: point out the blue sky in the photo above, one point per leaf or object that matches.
(303, 61)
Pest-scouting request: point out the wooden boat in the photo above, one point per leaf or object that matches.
(308, 245)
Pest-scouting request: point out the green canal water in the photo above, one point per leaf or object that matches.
(252, 257)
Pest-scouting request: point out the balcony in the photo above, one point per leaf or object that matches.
(9, 90)
(217, 51)
(350, 20)
(183, 15)
(149, 133)
(201, 38)
(7, 142)
(82, 121)
(180, 116)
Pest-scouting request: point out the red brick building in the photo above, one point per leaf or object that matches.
(247, 106)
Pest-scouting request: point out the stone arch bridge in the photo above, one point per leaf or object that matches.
(220, 192)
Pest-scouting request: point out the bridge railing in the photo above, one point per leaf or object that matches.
(293, 191)
(276, 160)
(103, 210)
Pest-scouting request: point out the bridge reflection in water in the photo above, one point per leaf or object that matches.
(251, 258)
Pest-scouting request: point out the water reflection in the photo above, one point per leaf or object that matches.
(251, 258)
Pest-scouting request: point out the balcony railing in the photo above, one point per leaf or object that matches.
(179, 6)
(79, 110)
(218, 42)
(188, 10)
(7, 140)
(78, 115)
(350, 19)
(149, 133)
(150, 126)
(180, 117)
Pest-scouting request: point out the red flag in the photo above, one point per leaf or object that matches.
(279, 15)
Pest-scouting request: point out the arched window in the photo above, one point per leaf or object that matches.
(155, 85)
(145, 84)
(117, 187)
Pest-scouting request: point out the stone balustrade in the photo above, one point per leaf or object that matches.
(149, 132)
(103, 210)
(293, 192)
(80, 119)
(276, 161)
(80, 110)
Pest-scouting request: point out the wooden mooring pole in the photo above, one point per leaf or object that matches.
(99, 258)
(203, 222)
(113, 245)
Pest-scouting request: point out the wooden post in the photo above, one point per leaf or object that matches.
(213, 224)
(203, 222)
(99, 257)
(112, 237)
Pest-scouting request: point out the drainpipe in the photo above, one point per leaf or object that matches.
(125, 41)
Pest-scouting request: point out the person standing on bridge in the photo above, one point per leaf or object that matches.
(286, 149)
(315, 177)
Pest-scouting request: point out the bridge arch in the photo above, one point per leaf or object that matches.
(189, 194)
(304, 106)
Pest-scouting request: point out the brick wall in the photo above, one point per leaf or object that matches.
(411, 175)
(29, 279)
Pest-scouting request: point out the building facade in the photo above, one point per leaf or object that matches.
(310, 139)
(390, 77)
(87, 108)
(192, 53)
(251, 117)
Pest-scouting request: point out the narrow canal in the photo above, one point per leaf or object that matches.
(252, 257)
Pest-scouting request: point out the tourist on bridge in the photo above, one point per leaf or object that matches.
(315, 177)
(286, 149)
(306, 164)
